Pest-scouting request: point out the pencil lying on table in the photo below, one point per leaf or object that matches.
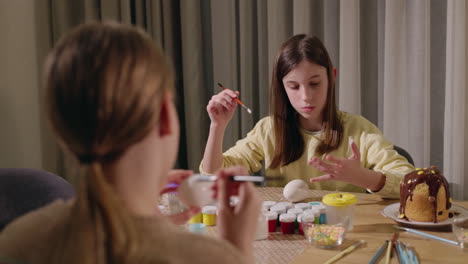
(379, 252)
(344, 252)
(237, 100)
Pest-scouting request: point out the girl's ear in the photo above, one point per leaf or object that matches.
(165, 122)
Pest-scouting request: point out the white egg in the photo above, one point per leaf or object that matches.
(296, 190)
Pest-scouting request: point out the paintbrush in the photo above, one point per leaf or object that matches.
(237, 100)
(344, 252)
(427, 235)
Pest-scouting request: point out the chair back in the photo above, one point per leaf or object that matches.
(404, 153)
(24, 190)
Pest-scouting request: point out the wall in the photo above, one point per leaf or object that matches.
(20, 126)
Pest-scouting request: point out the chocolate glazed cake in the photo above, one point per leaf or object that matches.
(425, 196)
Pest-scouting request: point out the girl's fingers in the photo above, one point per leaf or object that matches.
(326, 177)
(223, 189)
(230, 92)
(334, 159)
(356, 155)
(246, 190)
(225, 103)
(323, 166)
(178, 175)
(184, 216)
(228, 97)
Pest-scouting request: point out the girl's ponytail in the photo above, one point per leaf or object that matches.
(98, 218)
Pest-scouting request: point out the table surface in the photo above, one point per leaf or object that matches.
(369, 225)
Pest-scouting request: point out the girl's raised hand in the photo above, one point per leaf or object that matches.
(347, 170)
(221, 107)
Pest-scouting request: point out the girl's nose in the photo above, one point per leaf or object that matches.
(306, 93)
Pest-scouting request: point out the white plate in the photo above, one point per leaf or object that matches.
(393, 211)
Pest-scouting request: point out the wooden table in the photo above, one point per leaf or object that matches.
(369, 225)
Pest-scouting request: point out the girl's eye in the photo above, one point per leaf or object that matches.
(314, 84)
(295, 87)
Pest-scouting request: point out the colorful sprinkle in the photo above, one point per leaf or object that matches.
(326, 235)
(420, 172)
(418, 169)
(433, 172)
(450, 200)
(409, 181)
(401, 216)
(463, 237)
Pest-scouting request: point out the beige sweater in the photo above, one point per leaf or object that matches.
(30, 239)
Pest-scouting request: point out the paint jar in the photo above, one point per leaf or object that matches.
(304, 218)
(303, 206)
(287, 223)
(315, 203)
(295, 211)
(262, 227)
(278, 209)
(288, 205)
(171, 202)
(268, 204)
(199, 228)
(198, 218)
(322, 214)
(310, 211)
(272, 219)
(209, 215)
(340, 206)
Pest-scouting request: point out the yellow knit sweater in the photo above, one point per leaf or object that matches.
(376, 153)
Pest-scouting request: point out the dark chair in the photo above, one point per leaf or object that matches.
(404, 153)
(24, 190)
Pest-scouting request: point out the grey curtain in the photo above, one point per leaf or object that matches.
(390, 56)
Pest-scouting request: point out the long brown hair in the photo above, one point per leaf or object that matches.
(104, 83)
(289, 143)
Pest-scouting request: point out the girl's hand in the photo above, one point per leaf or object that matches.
(348, 170)
(178, 176)
(221, 107)
(238, 223)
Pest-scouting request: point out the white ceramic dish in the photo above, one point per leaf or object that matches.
(393, 211)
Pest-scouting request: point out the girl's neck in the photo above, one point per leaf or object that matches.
(310, 125)
(137, 190)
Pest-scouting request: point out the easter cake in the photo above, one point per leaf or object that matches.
(425, 196)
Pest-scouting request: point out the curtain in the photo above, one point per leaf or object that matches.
(401, 64)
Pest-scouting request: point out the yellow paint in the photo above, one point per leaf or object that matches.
(209, 219)
(196, 219)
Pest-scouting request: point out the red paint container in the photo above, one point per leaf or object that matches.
(287, 223)
(272, 219)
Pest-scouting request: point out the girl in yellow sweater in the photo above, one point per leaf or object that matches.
(305, 136)
(110, 102)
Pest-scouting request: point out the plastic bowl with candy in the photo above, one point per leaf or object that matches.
(324, 236)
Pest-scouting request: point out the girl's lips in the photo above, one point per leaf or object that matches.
(308, 108)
